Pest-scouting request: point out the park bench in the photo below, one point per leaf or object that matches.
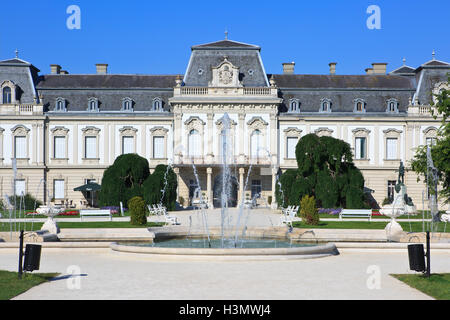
(95, 213)
(356, 213)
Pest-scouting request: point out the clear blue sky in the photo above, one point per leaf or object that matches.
(154, 37)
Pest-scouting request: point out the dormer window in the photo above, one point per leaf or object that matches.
(93, 105)
(325, 105)
(7, 95)
(60, 105)
(360, 105)
(127, 104)
(392, 106)
(294, 105)
(157, 104)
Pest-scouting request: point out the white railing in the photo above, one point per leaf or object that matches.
(194, 91)
(225, 91)
(257, 91)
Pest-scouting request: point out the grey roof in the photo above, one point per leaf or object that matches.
(342, 81)
(225, 44)
(403, 70)
(23, 75)
(109, 81)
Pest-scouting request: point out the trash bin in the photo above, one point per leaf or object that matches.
(32, 257)
(416, 257)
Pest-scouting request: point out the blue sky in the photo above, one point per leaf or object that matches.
(154, 37)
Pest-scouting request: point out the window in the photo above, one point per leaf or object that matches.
(20, 147)
(127, 104)
(6, 95)
(127, 144)
(431, 141)
(256, 189)
(58, 189)
(194, 147)
(291, 144)
(60, 105)
(360, 105)
(391, 148)
(91, 147)
(255, 144)
(59, 147)
(325, 105)
(93, 104)
(392, 106)
(360, 148)
(390, 190)
(19, 187)
(157, 104)
(158, 147)
(294, 105)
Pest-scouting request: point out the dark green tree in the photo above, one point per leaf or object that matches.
(123, 180)
(325, 171)
(161, 187)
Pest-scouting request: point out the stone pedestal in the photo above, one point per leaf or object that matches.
(394, 231)
(51, 226)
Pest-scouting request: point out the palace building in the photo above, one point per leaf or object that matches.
(64, 130)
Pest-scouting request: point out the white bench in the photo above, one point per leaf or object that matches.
(95, 213)
(356, 213)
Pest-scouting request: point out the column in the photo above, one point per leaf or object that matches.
(241, 137)
(177, 172)
(274, 204)
(273, 138)
(43, 148)
(75, 155)
(35, 144)
(241, 184)
(210, 138)
(209, 194)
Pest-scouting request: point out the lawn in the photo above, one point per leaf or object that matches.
(415, 226)
(12, 286)
(437, 286)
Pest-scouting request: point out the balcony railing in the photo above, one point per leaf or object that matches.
(226, 91)
(22, 109)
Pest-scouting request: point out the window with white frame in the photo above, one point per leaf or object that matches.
(360, 105)
(158, 147)
(19, 187)
(58, 189)
(60, 105)
(294, 105)
(7, 95)
(93, 104)
(59, 147)
(325, 105)
(127, 144)
(157, 104)
(291, 144)
(127, 104)
(90, 147)
(391, 148)
(20, 147)
(360, 148)
(255, 142)
(392, 106)
(194, 146)
(431, 141)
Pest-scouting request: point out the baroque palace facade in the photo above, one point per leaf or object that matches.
(65, 129)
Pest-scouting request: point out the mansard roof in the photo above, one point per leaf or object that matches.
(108, 81)
(342, 81)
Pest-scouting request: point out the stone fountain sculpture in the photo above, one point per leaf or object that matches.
(400, 205)
(50, 224)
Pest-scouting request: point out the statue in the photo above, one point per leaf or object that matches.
(401, 173)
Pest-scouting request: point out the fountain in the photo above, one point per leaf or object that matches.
(226, 240)
(401, 204)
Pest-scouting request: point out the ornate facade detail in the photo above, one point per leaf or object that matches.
(225, 75)
(323, 131)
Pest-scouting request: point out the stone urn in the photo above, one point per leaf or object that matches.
(50, 224)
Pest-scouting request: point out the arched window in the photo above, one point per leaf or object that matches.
(325, 105)
(127, 104)
(392, 106)
(60, 105)
(255, 142)
(93, 104)
(194, 147)
(294, 105)
(360, 105)
(6, 95)
(157, 104)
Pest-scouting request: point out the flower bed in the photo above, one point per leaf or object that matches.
(114, 210)
(331, 211)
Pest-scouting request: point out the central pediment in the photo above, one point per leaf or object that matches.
(225, 75)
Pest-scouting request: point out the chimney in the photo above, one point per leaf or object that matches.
(55, 68)
(332, 67)
(288, 67)
(369, 70)
(102, 68)
(379, 67)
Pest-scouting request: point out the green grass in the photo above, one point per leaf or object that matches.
(12, 286)
(415, 226)
(437, 286)
(70, 225)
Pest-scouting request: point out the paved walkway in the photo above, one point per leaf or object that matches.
(104, 274)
